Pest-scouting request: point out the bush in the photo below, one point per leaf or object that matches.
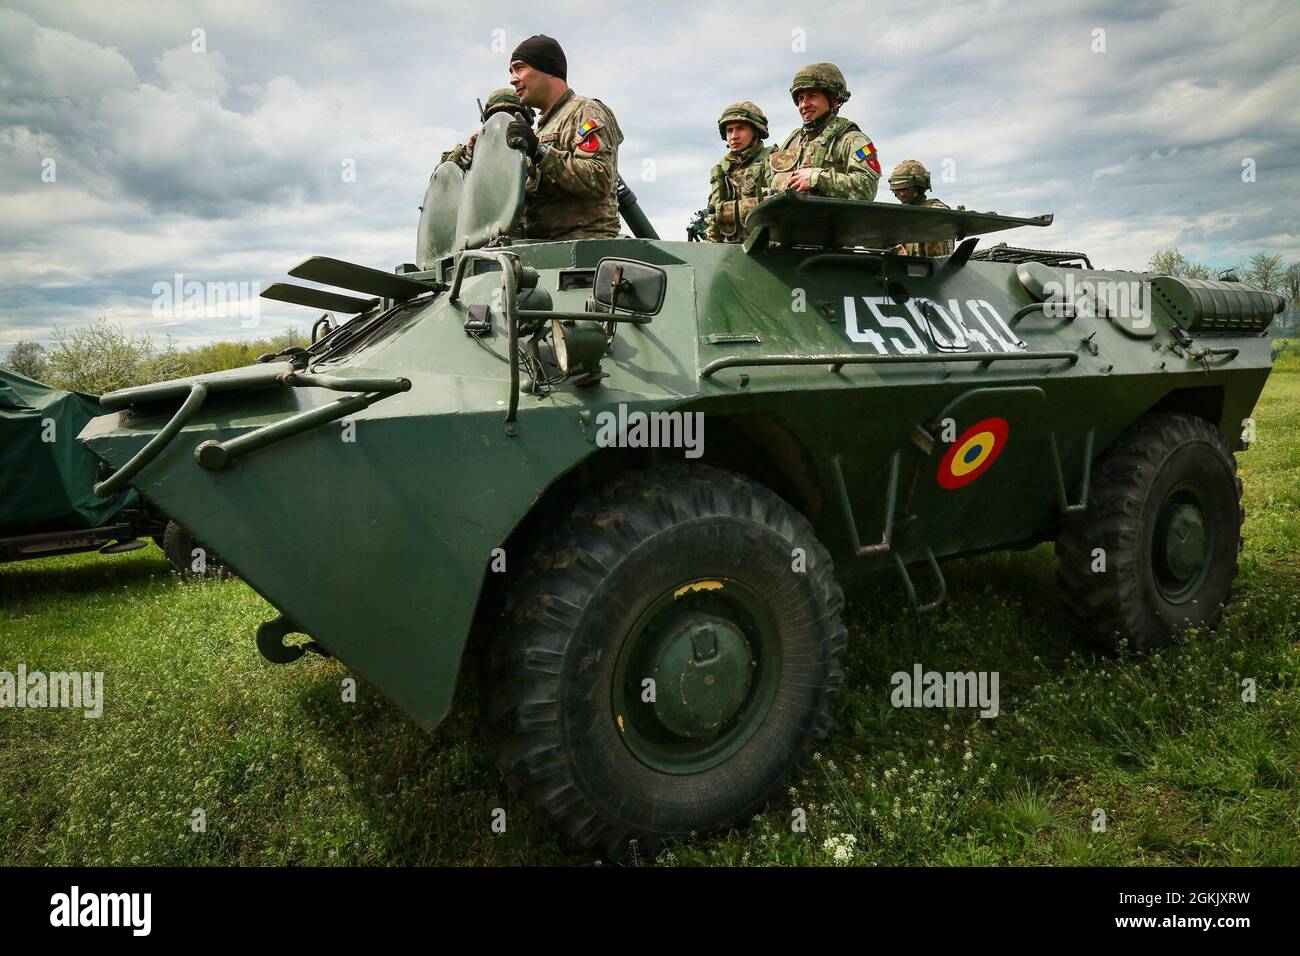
(97, 358)
(103, 356)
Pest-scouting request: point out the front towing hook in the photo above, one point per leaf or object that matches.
(270, 642)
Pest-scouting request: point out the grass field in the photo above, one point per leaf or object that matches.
(287, 773)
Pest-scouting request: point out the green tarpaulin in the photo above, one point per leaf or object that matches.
(45, 475)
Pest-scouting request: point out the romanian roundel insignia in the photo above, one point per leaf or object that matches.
(588, 141)
(972, 453)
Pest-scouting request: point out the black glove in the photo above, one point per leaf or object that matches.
(520, 136)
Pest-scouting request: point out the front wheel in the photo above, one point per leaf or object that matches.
(669, 661)
(1156, 551)
(187, 556)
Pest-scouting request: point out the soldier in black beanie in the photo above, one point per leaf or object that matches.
(573, 174)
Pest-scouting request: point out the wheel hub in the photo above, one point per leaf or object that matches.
(702, 671)
(696, 675)
(1185, 542)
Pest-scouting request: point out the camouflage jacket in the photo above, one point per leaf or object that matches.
(462, 154)
(842, 159)
(735, 187)
(941, 247)
(571, 189)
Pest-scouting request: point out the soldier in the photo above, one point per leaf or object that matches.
(828, 155)
(504, 100)
(736, 183)
(909, 181)
(573, 173)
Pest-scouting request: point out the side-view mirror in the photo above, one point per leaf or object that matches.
(628, 285)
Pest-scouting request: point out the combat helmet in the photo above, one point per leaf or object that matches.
(743, 112)
(506, 100)
(821, 76)
(910, 172)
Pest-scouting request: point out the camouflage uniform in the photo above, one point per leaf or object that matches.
(571, 188)
(910, 172)
(842, 157)
(737, 183)
(498, 101)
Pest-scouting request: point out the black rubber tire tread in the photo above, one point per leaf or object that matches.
(524, 669)
(1114, 606)
(178, 547)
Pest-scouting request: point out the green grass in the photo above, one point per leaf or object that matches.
(287, 773)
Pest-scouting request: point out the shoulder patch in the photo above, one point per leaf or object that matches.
(866, 153)
(587, 140)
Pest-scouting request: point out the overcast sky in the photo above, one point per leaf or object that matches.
(1130, 121)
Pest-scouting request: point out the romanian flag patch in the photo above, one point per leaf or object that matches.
(588, 141)
(867, 154)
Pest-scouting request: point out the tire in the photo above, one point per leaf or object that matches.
(685, 574)
(1165, 507)
(178, 546)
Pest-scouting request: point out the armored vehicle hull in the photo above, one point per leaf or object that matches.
(634, 472)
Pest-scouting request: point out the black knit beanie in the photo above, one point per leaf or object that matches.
(543, 53)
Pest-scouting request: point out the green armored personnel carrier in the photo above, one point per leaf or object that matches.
(631, 473)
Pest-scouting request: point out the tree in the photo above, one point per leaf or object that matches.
(1290, 286)
(97, 358)
(1167, 262)
(28, 358)
(1265, 271)
(1171, 262)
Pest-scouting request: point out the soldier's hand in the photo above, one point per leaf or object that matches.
(520, 136)
(801, 180)
(472, 136)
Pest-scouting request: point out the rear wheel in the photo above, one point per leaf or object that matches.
(668, 660)
(1157, 549)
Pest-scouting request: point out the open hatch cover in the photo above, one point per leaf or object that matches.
(793, 219)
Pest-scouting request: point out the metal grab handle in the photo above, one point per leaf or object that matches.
(1205, 354)
(247, 379)
(215, 455)
(838, 360)
(339, 383)
(118, 480)
(1068, 314)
